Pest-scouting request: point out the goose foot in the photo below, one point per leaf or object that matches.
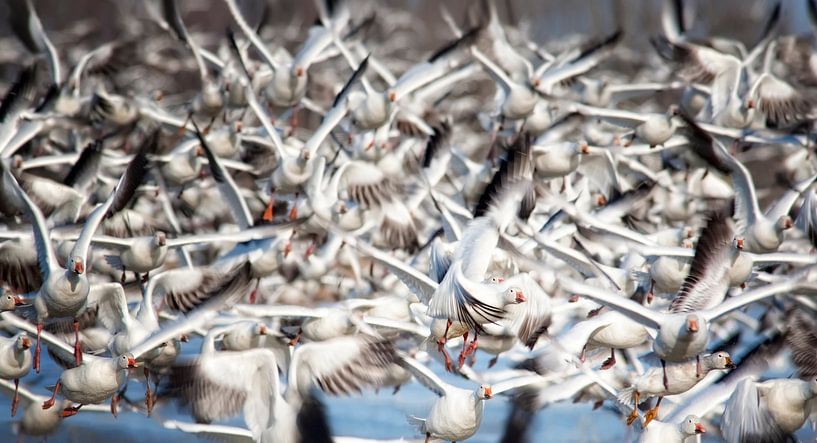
(634, 415)
(50, 402)
(68, 412)
(652, 413)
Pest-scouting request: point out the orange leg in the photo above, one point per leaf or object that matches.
(50, 402)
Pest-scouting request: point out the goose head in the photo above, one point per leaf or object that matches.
(126, 361)
(76, 265)
(484, 393)
(692, 425)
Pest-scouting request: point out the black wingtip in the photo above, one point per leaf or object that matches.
(359, 72)
(439, 138)
(608, 41)
(21, 90)
(215, 171)
(774, 18)
(134, 175)
(513, 168)
(678, 5)
(464, 40)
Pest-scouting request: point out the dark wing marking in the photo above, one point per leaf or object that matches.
(438, 140)
(174, 19)
(594, 47)
(715, 240)
(802, 339)
(20, 94)
(85, 169)
(466, 39)
(213, 291)
(207, 400)
(517, 167)
(362, 371)
(134, 175)
(702, 144)
(361, 69)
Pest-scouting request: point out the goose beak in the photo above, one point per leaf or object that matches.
(730, 364)
(584, 148)
(184, 338)
(132, 363)
(699, 429)
(787, 223)
(740, 243)
(299, 72)
(78, 268)
(488, 393)
(392, 96)
(520, 297)
(19, 301)
(262, 330)
(692, 325)
(26, 343)
(750, 104)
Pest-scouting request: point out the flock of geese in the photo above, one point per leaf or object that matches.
(629, 229)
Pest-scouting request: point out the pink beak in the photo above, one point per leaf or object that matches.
(18, 301)
(520, 297)
(132, 363)
(692, 325)
(78, 268)
(699, 429)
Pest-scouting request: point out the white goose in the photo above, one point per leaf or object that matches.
(457, 414)
(93, 381)
(15, 362)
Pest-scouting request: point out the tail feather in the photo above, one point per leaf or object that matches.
(626, 396)
(420, 423)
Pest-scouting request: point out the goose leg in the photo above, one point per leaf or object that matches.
(473, 346)
(461, 360)
(652, 413)
(268, 212)
(428, 437)
(610, 362)
(37, 348)
(583, 356)
(114, 405)
(148, 393)
(50, 402)
(651, 293)
(254, 293)
(16, 400)
(492, 362)
(293, 211)
(77, 346)
(297, 338)
(634, 415)
(698, 370)
(122, 277)
(664, 370)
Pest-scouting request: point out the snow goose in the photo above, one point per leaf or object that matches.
(769, 410)
(661, 432)
(457, 413)
(93, 381)
(210, 100)
(37, 421)
(221, 384)
(682, 335)
(15, 362)
(673, 378)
